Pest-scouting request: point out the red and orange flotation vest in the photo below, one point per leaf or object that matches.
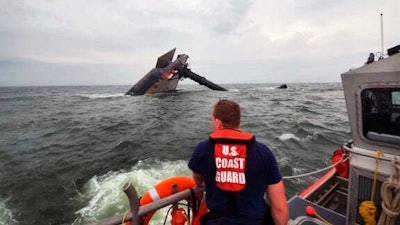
(230, 153)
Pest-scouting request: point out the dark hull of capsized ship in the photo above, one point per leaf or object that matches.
(166, 75)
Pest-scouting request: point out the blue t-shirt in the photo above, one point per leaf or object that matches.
(261, 170)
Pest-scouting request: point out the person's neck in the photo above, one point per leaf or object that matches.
(223, 128)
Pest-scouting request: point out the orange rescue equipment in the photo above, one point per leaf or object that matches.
(230, 153)
(162, 190)
(342, 167)
(178, 216)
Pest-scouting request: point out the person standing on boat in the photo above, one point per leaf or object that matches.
(237, 171)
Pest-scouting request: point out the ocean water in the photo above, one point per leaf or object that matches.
(66, 152)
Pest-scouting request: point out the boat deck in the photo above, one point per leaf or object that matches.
(297, 213)
(332, 195)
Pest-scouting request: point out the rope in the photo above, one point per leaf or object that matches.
(390, 193)
(310, 211)
(316, 171)
(367, 209)
(124, 217)
(377, 154)
(322, 219)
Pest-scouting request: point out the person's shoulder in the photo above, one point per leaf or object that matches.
(263, 148)
(204, 144)
(261, 145)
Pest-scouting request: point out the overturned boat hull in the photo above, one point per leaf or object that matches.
(166, 75)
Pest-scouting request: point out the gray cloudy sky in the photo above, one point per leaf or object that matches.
(102, 42)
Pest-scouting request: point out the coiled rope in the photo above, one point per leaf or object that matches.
(390, 192)
(344, 158)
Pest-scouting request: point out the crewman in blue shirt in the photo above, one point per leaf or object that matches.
(237, 171)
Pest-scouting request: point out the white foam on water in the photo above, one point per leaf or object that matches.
(106, 197)
(287, 136)
(105, 95)
(299, 171)
(6, 217)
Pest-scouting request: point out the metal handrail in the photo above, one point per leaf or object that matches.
(145, 209)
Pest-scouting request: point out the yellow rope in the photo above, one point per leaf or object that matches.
(322, 218)
(377, 154)
(124, 217)
(367, 209)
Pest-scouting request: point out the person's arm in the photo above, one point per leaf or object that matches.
(278, 202)
(198, 179)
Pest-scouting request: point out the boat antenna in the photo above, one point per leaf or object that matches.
(381, 56)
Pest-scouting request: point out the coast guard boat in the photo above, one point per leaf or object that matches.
(364, 185)
(361, 187)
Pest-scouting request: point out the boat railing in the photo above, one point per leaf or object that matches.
(368, 153)
(137, 211)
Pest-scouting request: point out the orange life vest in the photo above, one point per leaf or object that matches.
(230, 153)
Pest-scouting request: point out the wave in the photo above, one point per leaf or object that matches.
(104, 195)
(63, 128)
(6, 215)
(100, 96)
(21, 98)
(288, 136)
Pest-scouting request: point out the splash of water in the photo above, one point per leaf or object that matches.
(6, 216)
(105, 194)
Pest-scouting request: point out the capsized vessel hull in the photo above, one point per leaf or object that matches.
(166, 75)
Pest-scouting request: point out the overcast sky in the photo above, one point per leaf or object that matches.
(107, 42)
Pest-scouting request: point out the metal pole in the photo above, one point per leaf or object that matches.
(381, 57)
(150, 207)
(130, 191)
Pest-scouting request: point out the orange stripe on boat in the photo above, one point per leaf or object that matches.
(318, 183)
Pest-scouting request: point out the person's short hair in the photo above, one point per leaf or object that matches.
(228, 112)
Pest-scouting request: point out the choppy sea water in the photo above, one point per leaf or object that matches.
(66, 152)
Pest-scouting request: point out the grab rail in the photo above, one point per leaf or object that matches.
(145, 209)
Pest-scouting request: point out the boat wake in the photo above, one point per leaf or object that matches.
(6, 216)
(104, 197)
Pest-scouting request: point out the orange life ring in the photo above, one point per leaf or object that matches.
(162, 190)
